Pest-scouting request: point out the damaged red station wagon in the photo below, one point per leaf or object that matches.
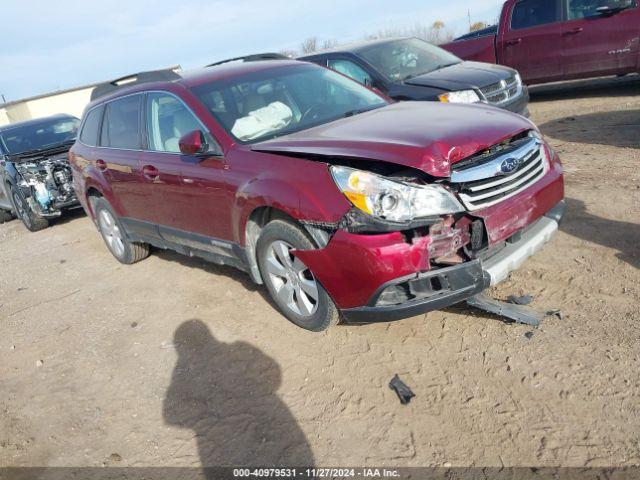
(342, 203)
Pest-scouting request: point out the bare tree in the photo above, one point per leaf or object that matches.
(436, 33)
(329, 43)
(309, 45)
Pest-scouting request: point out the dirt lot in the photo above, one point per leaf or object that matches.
(177, 362)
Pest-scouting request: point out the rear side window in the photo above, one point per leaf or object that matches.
(532, 13)
(91, 127)
(121, 125)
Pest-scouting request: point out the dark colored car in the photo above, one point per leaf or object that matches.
(336, 199)
(35, 176)
(412, 69)
(554, 40)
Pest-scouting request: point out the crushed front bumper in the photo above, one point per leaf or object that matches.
(447, 286)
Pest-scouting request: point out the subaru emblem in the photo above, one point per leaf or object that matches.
(509, 165)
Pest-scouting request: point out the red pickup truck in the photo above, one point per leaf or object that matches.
(554, 40)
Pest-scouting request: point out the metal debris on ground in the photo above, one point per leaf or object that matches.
(555, 313)
(402, 390)
(517, 313)
(528, 335)
(523, 300)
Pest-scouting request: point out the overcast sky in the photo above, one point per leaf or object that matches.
(50, 45)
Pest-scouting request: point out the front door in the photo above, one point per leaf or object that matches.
(189, 202)
(532, 40)
(597, 42)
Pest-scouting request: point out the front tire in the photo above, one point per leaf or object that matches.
(115, 237)
(292, 286)
(29, 218)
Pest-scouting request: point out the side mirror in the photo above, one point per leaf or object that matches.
(193, 143)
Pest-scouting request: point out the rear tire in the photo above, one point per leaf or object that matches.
(292, 286)
(115, 236)
(29, 218)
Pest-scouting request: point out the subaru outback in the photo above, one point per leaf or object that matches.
(341, 202)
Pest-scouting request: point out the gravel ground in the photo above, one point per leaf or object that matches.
(176, 362)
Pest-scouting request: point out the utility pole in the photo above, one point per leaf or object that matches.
(469, 15)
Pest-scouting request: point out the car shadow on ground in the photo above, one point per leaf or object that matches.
(227, 394)
(616, 128)
(621, 236)
(233, 273)
(589, 88)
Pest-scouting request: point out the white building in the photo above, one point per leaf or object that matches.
(71, 101)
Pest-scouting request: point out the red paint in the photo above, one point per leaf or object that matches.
(192, 143)
(564, 50)
(353, 267)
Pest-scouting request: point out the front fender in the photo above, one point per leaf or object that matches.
(305, 194)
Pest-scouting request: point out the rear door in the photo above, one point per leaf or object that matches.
(531, 39)
(598, 43)
(119, 156)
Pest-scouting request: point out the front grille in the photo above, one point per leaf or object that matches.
(486, 184)
(503, 91)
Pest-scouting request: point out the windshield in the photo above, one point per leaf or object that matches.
(403, 59)
(284, 100)
(39, 136)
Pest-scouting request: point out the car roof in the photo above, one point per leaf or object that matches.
(196, 77)
(36, 121)
(355, 47)
(224, 71)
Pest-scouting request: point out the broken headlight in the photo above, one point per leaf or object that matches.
(393, 200)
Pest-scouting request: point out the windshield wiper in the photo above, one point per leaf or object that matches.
(358, 111)
(435, 69)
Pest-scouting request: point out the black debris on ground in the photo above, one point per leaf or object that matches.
(555, 313)
(402, 390)
(517, 313)
(523, 300)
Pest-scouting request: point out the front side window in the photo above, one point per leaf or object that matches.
(168, 120)
(351, 70)
(532, 13)
(91, 127)
(121, 124)
(48, 134)
(577, 9)
(403, 59)
(282, 100)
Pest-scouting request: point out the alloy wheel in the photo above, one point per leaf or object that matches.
(111, 232)
(292, 280)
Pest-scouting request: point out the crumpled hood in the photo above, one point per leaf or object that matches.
(429, 136)
(463, 75)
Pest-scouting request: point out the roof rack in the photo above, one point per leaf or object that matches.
(253, 58)
(166, 75)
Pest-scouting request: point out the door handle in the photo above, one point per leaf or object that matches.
(101, 165)
(574, 31)
(150, 172)
(515, 41)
